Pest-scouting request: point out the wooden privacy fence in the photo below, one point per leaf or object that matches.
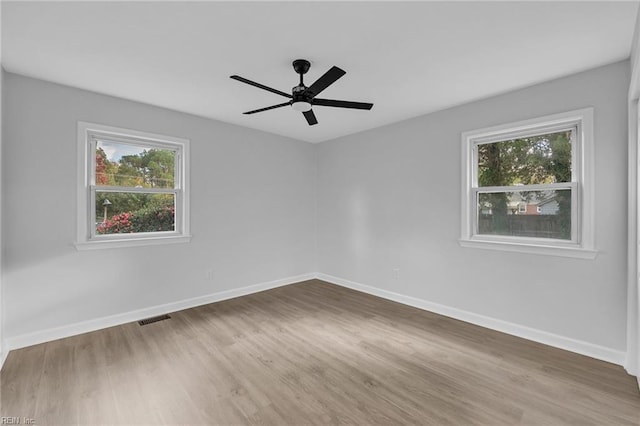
(541, 226)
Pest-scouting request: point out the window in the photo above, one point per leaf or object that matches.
(545, 162)
(522, 207)
(132, 188)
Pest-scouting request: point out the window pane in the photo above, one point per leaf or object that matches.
(125, 213)
(123, 164)
(526, 161)
(539, 214)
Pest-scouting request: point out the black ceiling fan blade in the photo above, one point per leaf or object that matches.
(268, 108)
(311, 117)
(261, 86)
(325, 81)
(341, 104)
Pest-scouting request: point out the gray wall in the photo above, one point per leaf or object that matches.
(2, 346)
(252, 211)
(389, 199)
(633, 293)
(381, 200)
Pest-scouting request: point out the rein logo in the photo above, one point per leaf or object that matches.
(17, 421)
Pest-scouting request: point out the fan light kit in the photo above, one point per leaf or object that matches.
(301, 106)
(303, 97)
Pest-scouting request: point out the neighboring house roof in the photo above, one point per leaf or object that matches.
(547, 200)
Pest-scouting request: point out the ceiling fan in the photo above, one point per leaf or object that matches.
(302, 98)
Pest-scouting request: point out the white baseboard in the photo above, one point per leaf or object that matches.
(48, 335)
(3, 357)
(562, 342)
(631, 364)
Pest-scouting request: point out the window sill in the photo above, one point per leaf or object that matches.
(575, 252)
(131, 242)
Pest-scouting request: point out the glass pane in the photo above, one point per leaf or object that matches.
(126, 213)
(122, 164)
(539, 214)
(526, 161)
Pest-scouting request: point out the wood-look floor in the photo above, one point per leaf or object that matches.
(311, 353)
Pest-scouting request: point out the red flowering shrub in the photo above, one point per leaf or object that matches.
(149, 219)
(118, 224)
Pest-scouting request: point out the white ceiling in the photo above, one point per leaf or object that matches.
(407, 58)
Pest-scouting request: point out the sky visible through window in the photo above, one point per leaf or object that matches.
(115, 151)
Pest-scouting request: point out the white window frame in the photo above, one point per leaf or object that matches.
(582, 244)
(88, 135)
(524, 207)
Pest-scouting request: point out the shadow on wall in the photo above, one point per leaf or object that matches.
(56, 290)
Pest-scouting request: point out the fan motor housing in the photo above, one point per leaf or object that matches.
(299, 95)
